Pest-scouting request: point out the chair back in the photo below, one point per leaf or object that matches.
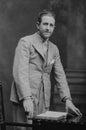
(2, 113)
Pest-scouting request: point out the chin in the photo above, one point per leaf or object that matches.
(47, 36)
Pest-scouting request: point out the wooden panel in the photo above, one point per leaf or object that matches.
(77, 85)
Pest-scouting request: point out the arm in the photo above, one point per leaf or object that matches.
(21, 74)
(60, 78)
(63, 87)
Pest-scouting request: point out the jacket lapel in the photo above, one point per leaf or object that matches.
(38, 45)
(50, 53)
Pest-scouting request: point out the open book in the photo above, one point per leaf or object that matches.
(52, 115)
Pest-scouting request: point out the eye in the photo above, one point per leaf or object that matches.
(51, 25)
(45, 23)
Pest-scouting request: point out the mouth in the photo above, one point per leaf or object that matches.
(47, 33)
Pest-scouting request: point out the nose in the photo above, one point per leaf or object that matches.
(48, 27)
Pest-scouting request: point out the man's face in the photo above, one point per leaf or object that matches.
(46, 27)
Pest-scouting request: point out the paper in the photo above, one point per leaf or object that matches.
(52, 114)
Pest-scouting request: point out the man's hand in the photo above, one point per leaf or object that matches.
(71, 109)
(28, 107)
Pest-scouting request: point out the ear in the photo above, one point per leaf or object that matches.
(37, 25)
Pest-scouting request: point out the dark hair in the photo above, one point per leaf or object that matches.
(45, 12)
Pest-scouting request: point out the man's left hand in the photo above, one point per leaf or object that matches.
(71, 109)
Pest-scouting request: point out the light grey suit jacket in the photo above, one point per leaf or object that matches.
(30, 70)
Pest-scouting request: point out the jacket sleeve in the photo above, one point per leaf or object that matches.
(21, 69)
(60, 78)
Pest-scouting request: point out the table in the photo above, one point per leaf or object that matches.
(70, 122)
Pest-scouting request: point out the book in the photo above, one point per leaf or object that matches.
(52, 115)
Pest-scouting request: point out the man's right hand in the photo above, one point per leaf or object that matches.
(28, 107)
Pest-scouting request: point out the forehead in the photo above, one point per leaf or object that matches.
(48, 18)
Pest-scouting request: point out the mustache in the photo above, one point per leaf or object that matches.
(47, 31)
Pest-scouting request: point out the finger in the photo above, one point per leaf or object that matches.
(78, 112)
(29, 115)
(31, 110)
(72, 112)
(27, 111)
(67, 109)
(75, 112)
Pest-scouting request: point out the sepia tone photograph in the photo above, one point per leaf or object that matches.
(42, 64)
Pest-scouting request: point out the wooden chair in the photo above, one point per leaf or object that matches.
(3, 122)
(2, 114)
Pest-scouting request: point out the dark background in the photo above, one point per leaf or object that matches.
(18, 18)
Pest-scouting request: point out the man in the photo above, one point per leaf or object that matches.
(35, 56)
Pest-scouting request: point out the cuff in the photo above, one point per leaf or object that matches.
(28, 97)
(65, 98)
